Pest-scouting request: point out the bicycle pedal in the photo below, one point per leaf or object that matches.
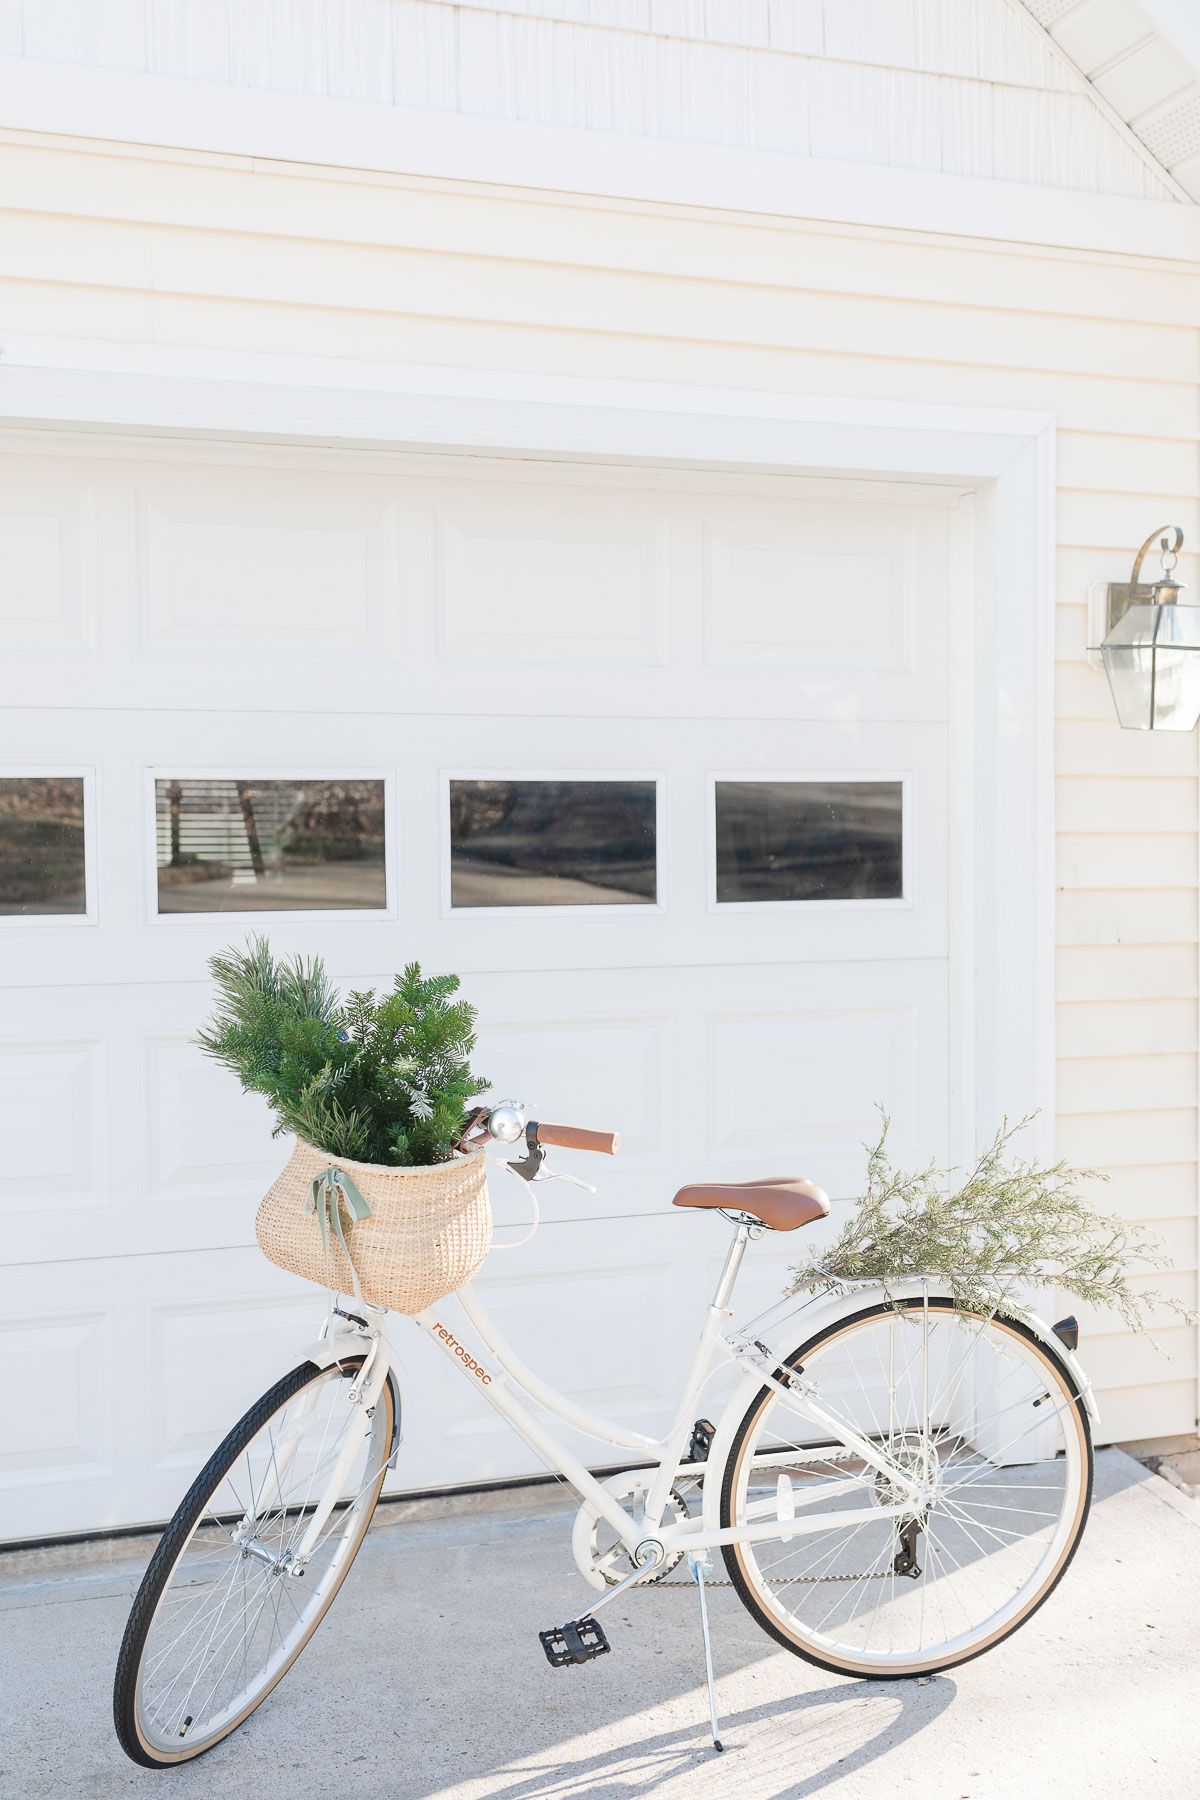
(703, 1433)
(579, 1641)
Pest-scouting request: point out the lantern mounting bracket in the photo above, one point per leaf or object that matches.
(1135, 592)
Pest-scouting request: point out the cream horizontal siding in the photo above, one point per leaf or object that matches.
(115, 181)
(171, 248)
(1140, 1029)
(1145, 1192)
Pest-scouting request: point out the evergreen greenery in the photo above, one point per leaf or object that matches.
(375, 1079)
(1010, 1222)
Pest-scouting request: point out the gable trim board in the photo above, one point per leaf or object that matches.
(1029, 12)
(118, 108)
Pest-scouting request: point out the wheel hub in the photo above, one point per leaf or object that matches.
(915, 1456)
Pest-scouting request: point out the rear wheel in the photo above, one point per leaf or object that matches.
(225, 1607)
(986, 1416)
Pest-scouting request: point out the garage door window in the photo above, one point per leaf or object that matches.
(43, 869)
(553, 843)
(224, 845)
(779, 840)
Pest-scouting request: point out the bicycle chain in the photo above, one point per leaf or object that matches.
(787, 1581)
(832, 1455)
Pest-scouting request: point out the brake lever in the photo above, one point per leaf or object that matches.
(529, 1166)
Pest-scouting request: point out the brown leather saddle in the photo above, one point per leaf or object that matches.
(781, 1202)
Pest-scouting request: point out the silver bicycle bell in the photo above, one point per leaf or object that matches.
(507, 1121)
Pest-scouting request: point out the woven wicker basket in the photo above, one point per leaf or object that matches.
(429, 1229)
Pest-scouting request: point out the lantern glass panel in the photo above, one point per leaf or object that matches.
(1152, 658)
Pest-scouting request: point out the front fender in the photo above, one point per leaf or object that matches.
(323, 1352)
(812, 1316)
(338, 1345)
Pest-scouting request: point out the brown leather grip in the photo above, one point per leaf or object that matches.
(577, 1137)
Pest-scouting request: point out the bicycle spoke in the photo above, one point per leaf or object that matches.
(947, 1399)
(232, 1615)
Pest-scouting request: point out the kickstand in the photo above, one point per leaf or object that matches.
(700, 1566)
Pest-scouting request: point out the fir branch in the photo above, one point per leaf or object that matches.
(383, 1080)
(1009, 1222)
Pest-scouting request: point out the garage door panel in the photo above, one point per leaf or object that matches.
(763, 1071)
(434, 597)
(206, 1140)
(201, 1356)
(265, 564)
(613, 1326)
(735, 1070)
(781, 595)
(101, 1455)
(542, 577)
(53, 1124)
(48, 551)
(123, 1139)
(685, 926)
(803, 1084)
(579, 1067)
(640, 1293)
(559, 641)
(68, 1110)
(57, 1375)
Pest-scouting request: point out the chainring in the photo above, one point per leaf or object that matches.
(597, 1549)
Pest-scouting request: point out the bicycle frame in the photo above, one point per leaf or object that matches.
(512, 1388)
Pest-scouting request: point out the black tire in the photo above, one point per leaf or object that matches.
(737, 1574)
(175, 1540)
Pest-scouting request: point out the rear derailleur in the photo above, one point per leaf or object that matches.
(905, 1560)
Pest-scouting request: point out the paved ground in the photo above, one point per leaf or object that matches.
(427, 1680)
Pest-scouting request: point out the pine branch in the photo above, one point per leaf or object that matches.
(384, 1080)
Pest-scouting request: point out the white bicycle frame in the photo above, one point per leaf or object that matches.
(654, 1534)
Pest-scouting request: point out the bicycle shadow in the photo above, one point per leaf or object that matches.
(770, 1739)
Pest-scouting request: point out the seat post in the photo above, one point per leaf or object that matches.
(730, 1267)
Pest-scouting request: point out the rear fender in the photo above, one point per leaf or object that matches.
(815, 1316)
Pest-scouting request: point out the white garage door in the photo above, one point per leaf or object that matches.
(660, 764)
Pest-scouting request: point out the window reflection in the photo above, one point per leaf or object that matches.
(552, 843)
(269, 846)
(809, 840)
(41, 845)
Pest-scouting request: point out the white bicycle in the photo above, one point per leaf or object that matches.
(895, 1484)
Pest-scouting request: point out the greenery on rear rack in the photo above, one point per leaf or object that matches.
(376, 1079)
(1011, 1223)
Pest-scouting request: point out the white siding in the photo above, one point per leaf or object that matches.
(108, 242)
(938, 85)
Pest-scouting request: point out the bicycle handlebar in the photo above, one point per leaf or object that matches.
(575, 1137)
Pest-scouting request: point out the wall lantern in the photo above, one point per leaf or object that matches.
(1151, 649)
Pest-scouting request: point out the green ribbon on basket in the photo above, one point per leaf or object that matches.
(330, 1192)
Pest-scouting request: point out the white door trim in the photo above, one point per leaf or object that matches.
(1004, 904)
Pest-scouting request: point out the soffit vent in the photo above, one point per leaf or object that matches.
(1048, 12)
(1174, 134)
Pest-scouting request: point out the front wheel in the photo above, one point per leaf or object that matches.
(226, 1606)
(990, 1421)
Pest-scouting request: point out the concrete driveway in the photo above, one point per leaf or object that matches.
(427, 1679)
